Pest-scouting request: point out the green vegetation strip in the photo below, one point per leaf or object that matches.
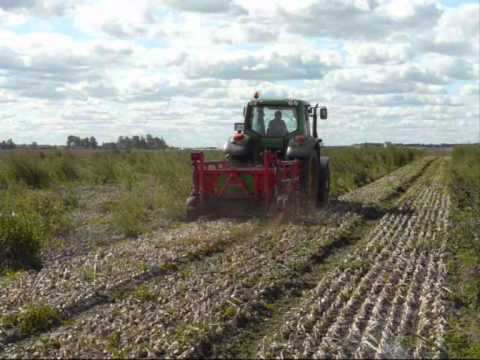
(463, 338)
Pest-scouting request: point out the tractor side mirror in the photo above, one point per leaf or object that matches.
(239, 127)
(244, 111)
(323, 113)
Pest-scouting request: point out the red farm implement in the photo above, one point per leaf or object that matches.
(222, 188)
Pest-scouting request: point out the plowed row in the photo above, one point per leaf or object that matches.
(387, 302)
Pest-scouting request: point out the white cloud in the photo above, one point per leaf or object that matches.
(207, 6)
(117, 18)
(384, 79)
(470, 90)
(359, 19)
(388, 69)
(271, 64)
(46, 8)
(379, 53)
(8, 19)
(456, 33)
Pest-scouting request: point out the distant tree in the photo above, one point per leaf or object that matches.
(141, 142)
(7, 145)
(93, 142)
(73, 141)
(109, 146)
(87, 143)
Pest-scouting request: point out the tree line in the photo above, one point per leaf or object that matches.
(87, 143)
(9, 144)
(123, 142)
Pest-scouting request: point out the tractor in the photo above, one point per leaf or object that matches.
(272, 162)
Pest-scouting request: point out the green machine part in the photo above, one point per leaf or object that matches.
(248, 180)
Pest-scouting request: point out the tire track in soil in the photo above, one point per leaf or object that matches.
(395, 308)
(105, 298)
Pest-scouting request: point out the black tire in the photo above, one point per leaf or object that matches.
(192, 215)
(324, 183)
(192, 209)
(309, 178)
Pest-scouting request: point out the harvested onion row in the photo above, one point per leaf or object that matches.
(380, 311)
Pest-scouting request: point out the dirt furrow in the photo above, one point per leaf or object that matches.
(332, 281)
(389, 309)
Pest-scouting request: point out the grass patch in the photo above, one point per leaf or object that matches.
(30, 219)
(144, 293)
(130, 213)
(27, 170)
(32, 319)
(192, 333)
(114, 346)
(463, 338)
(20, 240)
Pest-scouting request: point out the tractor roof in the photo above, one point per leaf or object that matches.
(278, 102)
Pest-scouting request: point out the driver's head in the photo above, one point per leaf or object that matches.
(278, 115)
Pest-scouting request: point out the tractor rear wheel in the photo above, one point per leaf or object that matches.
(310, 179)
(324, 184)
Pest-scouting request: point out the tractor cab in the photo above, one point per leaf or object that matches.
(287, 127)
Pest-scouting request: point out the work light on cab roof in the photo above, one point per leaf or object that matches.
(272, 162)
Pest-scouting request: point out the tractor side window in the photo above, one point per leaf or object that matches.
(258, 120)
(290, 119)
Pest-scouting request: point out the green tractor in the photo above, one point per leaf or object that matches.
(273, 157)
(289, 128)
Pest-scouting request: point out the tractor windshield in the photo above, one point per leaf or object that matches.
(273, 120)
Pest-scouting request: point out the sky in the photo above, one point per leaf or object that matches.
(388, 70)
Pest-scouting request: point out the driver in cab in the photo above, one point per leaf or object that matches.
(277, 127)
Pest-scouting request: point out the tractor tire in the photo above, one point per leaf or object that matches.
(309, 179)
(192, 215)
(324, 183)
(192, 209)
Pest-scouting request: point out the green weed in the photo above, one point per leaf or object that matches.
(463, 338)
(20, 239)
(129, 214)
(28, 170)
(114, 346)
(191, 333)
(31, 319)
(144, 293)
(352, 168)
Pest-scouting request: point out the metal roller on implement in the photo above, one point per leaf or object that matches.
(272, 164)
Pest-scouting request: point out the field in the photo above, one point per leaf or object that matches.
(97, 261)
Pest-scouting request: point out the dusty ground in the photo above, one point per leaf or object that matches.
(363, 277)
